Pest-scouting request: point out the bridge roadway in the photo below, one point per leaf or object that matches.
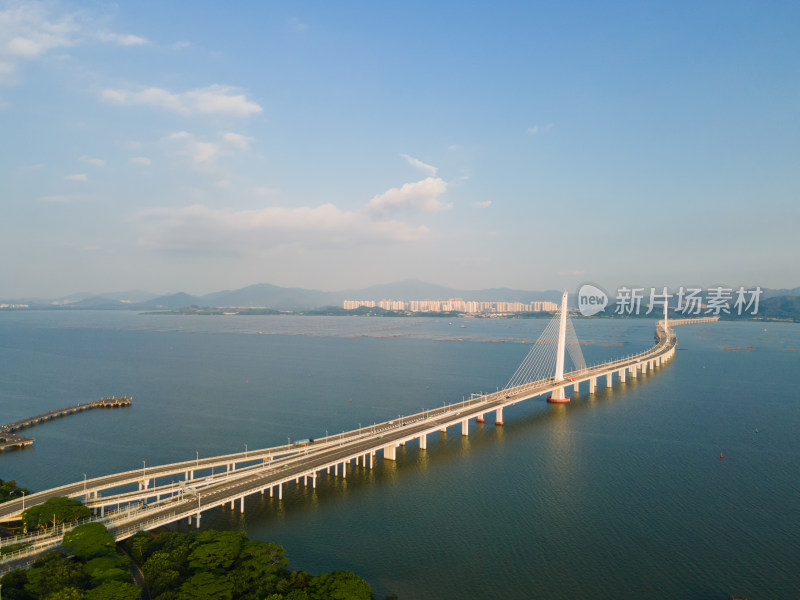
(283, 464)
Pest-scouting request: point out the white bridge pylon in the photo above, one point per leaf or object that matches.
(547, 357)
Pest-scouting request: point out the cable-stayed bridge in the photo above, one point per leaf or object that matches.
(149, 497)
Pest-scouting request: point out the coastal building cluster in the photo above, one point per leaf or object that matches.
(453, 305)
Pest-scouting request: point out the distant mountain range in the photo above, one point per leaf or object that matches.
(265, 295)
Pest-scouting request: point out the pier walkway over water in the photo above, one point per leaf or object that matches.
(148, 497)
(9, 439)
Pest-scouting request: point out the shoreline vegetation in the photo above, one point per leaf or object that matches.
(789, 314)
(170, 565)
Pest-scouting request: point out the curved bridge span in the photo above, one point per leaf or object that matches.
(156, 499)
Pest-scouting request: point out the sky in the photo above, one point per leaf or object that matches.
(199, 146)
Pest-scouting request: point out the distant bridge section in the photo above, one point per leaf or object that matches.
(9, 439)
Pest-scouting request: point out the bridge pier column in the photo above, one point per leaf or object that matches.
(314, 481)
(575, 389)
(635, 371)
(241, 505)
(443, 429)
(280, 491)
(197, 520)
(622, 375)
(480, 418)
(592, 385)
(390, 452)
(610, 379)
(102, 511)
(344, 469)
(465, 427)
(336, 470)
(271, 491)
(498, 418)
(423, 442)
(371, 459)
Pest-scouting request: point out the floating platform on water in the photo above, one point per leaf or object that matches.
(10, 440)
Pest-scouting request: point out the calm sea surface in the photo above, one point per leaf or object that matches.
(619, 495)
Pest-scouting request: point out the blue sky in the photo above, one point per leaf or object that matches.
(205, 145)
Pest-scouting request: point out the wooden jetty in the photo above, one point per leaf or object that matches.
(9, 438)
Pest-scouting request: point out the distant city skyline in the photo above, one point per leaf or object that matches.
(453, 305)
(200, 147)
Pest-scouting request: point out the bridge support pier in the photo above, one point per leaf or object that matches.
(635, 371)
(197, 520)
(344, 469)
(610, 379)
(314, 480)
(271, 491)
(423, 442)
(465, 427)
(390, 452)
(280, 491)
(592, 385)
(241, 505)
(575, 389)
(372, 459)
(443, 430)
(480, 418)
(622, 375)
(498, 416)
(336, 470)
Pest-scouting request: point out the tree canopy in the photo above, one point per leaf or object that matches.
(9, 490)
(208, 565)
(58, 510)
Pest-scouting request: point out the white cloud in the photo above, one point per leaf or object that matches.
(201, 229)
(65, 198)
(201, 151)
(418, 164)
(237, 141)
(484, 204)
(122, 39)
(297, 25)
(266, 192)
(539, 129)
(97, 162)
(141, 160)
(25, 169)
(421, 195)
(77, 177)
(28, 30)
(212, 100)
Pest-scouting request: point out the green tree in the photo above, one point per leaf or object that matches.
(13, 584)
(216, 550)
(89, 540)
(339, 585)
(62, 510)
(161, 572)
(114, 590)
(9, 490)
(206, 586)
(103, 563)
(52, 572)
(67, 593)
